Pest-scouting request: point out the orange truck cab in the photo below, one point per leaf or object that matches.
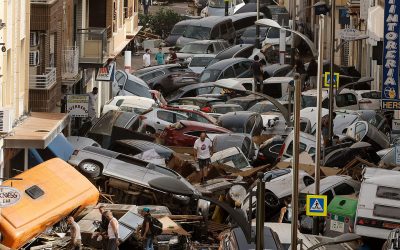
(49, 191)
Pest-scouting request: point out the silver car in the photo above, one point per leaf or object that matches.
(130, 173)
(156, 119)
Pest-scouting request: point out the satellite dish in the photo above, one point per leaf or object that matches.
(237, 193)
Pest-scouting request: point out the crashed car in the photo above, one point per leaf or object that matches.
(242, 141)
(130, 221)
(232, 157)
(278, 191)
(127, 177)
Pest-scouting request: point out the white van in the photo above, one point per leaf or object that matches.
(277, 87)
(307, 144)
(346, 99)
(378, 209)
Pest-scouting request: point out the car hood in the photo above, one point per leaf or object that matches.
(216, 11)
(184, 40)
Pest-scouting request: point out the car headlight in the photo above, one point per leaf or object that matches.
(174, 240)
(204, 12)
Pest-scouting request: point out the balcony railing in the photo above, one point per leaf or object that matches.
(44, 81)
(42, 1)
(92, 43)
(70, 68)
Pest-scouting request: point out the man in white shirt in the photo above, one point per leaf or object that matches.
(112, 232)
(146, 58)
(92, 103)
(76, 239)
(202, 153)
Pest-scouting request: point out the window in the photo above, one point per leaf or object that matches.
(240, 68)
(196, 117)
(388, 193)
(215, 33)
(120, 78)
(119, 102)
(178, 29)
(229, 73)
(376, 95)
(197, 32)
(179, 117)
(311, 151)
(386, 211)
(344, 189)
(193, 133)
(224, 29)
(210, 49)
(250, 124)
(202, 91)
(344, 100)
(275, 149)
(289, 149)
(360, 131)
(248, 86)
(165, 116)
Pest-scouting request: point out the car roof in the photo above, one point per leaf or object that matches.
(231, 51)
(141, 144)
(234, 118)
(274, 67)
(283, 79)
(157, 67)
(239, 16)
(209, 21)
(227, 62)
(197, 85)
(205, 41)
(326, 183)
(203, 125)
(200, 98)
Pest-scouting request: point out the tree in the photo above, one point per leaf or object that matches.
(161, 22)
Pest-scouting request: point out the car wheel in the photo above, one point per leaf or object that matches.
(90, 169)
(150, 131)
(271, 200)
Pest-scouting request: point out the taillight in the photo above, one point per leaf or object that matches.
(360, 221)
(206, 109)
(75, 152)
(281, 152)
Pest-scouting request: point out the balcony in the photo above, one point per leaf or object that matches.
(92, 44)
(44, 81)
(70, 67)
(43, 1)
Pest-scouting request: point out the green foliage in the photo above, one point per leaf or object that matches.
(161, 22)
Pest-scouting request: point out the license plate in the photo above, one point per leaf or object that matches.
(337, 226)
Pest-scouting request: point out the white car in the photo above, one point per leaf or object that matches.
(155, 120)
(273, 36)
(278, 186)
(232, 157)
(136, 104)
(346, 99)
(369, 99)
(217, 8)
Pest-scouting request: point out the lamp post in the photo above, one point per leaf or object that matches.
(332, 60)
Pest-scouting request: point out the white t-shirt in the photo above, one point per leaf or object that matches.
(110, 230)
(146, 60)
(203, 148)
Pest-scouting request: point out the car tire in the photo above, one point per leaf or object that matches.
(90, 169)
(150, 130)
(271, 200)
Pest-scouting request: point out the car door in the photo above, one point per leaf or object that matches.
(164, 119)
(228, 73)
(118, 83)
(245, 71)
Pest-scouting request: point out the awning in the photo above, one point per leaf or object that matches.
(375, 24)
(37, 130)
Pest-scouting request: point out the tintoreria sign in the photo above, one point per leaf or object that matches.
(390, 83)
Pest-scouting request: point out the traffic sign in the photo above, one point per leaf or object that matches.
(316, 205)
(327, 79)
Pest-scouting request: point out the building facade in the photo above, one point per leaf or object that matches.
(14, 69)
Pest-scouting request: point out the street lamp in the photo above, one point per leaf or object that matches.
(271, 23)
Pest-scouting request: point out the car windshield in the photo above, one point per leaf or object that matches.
(224, 110)
(275, 33)
(262, 107)
(137, 89)
(251, 32)
(178, 29)
(237, 161)
(309, 101)
(197, 32)
(214, 60)
(210, 75)
(216, 3)
(195, 48)
(200, 61)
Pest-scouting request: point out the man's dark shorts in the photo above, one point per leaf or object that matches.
(204, 163)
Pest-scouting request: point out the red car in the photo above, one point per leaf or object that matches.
(185, 133)
(193, 115)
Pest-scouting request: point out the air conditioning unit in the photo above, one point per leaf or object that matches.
(6, 120)
(34, 58)
(34, 39)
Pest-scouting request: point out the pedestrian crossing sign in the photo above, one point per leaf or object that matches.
(316, 205)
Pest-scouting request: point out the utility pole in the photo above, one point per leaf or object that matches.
(295, 161)
(260, 212)
(293, 17)
(226, 7)
(332, 72)
(258, 45)
(319, 111)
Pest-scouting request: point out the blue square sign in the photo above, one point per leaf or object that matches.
(316, 205)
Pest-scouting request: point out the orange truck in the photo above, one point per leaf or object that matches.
(49, 191)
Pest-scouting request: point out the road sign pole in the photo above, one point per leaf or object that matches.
(295, 161)
(260, 212)
(226, 7)
(319, 113)
(332, 44)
